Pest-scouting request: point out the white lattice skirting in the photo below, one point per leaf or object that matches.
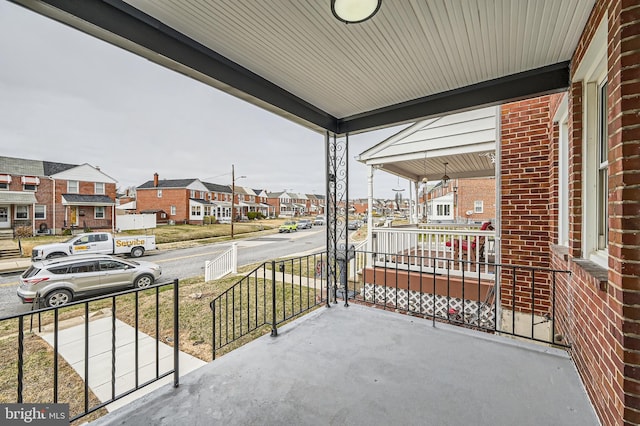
(411, 301)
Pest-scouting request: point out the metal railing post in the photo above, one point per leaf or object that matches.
(274, 330)
(176, 336)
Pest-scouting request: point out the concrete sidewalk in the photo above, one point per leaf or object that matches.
(71, 344)
(17, 264)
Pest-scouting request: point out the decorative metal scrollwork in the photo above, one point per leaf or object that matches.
(337, 209)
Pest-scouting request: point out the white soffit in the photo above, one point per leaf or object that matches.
(409, 50)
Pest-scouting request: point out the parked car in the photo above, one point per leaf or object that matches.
(96, 242)
(304, 224)
(61, 280)
(352, 225)
(319, 220)
(290, 226)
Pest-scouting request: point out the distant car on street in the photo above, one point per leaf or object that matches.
(319, 221)
(304, 224)
(289, 226)
(353, 225)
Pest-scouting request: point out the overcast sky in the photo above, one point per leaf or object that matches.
(68, 97)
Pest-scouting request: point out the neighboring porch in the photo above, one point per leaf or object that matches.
(365, 366)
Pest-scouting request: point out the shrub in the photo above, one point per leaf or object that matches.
(255, 215)
(24, 231)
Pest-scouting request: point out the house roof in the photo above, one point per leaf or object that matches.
(167, 183)
(27, 167)
(412, 60)
(214, 187)
(466, 141)
(87, 200)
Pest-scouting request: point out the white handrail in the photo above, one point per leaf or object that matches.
(225, 263)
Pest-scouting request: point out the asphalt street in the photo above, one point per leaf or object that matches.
(189, 262)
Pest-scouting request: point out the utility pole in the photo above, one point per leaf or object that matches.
(233, 196)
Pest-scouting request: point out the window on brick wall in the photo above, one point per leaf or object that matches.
(603, 168)
(29, 187)
(40, 212)
(99, 212)
(159, 193)
(173, 210)
(98, 188)
(478, 206)
(592, 73)
(73, 187)
(22, 212)
(4, 185)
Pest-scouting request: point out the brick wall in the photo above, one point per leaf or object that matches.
(601, 307)
(472, 190)
(147, 199)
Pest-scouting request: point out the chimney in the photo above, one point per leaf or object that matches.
(155, 179)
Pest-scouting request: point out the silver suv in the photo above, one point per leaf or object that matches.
(59, 281)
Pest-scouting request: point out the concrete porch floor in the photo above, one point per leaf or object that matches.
(365, 366)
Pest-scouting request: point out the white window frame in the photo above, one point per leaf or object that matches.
(562, 118)
(478, 206)
(31, 187)
(42, 207)
(4, 186)
(592, 72)
(173, 210)
(97, 209)
(73, 187)
(159, 193)
(21, 212)
(96, 188)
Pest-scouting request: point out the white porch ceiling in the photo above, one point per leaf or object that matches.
(414, 59)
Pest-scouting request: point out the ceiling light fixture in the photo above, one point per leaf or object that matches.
(445, 179)
(354, 11)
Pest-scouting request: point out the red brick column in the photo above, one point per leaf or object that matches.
(526, 224)
(624, 194)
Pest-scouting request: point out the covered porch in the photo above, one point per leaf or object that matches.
(363, 366)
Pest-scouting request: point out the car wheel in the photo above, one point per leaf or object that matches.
(56, 254)
(143, 281)
(58, 298)
(137, 252)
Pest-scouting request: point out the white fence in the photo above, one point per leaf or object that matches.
(125, 222)
(225, 263)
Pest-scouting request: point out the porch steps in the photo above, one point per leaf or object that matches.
(9, 253)
(6, 234)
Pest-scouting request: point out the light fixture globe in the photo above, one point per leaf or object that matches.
(354, 11)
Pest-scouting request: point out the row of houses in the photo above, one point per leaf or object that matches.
(192, 201)
(49, 198)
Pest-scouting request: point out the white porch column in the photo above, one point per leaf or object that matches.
(416, 216)
(370, 209)
(410, 204)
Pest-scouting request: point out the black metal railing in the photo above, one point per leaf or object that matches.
(515, 300)
(152, 310)
(271, 294)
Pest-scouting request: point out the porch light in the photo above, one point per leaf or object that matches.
(354, 11)
(445, 179)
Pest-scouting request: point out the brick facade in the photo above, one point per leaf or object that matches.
(597, 308)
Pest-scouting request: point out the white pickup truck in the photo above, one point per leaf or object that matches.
(96, 242)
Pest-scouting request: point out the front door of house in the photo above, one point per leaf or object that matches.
(73, 216)
(5, 215)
